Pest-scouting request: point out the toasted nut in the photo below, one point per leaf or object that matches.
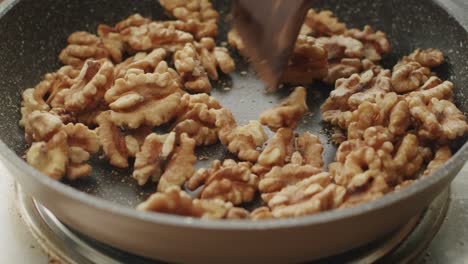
(376, 44)
(155, 150)
(112, 141)
(199, 10)
(180, 165)
(149, 36)
(95, 78)
(83, 46)
(323, 23)
(231, 181)
(288, 113)
(442, 155)
(50, 158)
(188, 63)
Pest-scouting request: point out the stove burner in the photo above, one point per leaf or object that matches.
(64, 244)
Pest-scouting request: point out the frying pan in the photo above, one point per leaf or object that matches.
(32, 33)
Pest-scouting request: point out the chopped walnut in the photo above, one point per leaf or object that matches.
(229, 181)
(154, 35)
(188, 64)
(342, 69)
(309, 196)
(134, 20)
(261, 213)
(323, 23)
(438, 120)
(344, 89)
(372, 191)
(151, 99)
(307, 63)
(199, 10)
(408, 76)
(240, 140)
(51, 158)
(311, 149)
(377, 87)
(280, 177)
(113, 41)
(442, 155)
(180, 164)
(288, 113)
(143, 61)
(279, 148)
(42, 125)
(427, 58)
(175, 201)
(213, 57)
(89, 87)
(434, 88)
(112, 141)
(376, 44)
(148, 161)
(236, 42)
(198, 29)
(339, 47)
(191, 119)
(67, 150)
(83, 46)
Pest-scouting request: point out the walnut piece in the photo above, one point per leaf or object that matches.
(142, 60)
(427, 58)
(63, 149)
(372, 191)
(438, 120)
(213, 57)
(83, 45)
(261, 213)
(342, 69)
(188, 64)
(307, 63)
(180, 164)
(408, 76)
(112, 141)
(311, 195)
(95, 78)
(280, 177)
(339, 47)
(199, 10)
(288, 113)
(278, 150)
(144, 98)
(149, 36)
(175, 201)
(50, 158)
(198, 29)
(240, 140)
(191, 118)
(323, 23)
(442, 155)
(155, 150)
(376, 44)
(229, 181)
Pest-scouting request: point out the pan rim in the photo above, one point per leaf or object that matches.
(8, 155)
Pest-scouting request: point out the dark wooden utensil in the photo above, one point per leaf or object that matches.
(269, 28)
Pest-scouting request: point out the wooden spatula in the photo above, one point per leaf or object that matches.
(269, 29)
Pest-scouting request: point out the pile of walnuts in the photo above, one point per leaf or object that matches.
(117, 86)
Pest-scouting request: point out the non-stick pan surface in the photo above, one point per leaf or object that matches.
(32, 33)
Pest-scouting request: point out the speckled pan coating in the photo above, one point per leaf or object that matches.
(32, 33)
